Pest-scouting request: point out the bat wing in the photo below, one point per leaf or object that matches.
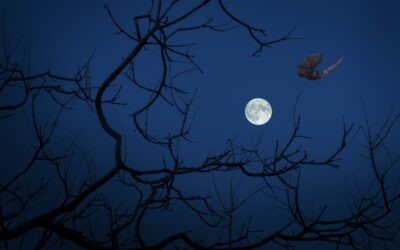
(331, 68)
(308, 65)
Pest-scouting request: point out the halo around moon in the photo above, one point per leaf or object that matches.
(258, 111)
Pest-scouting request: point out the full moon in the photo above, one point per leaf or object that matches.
(258, 111)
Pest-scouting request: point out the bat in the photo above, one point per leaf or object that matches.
(307, 67)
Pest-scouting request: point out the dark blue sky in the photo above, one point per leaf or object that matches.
(61, 35)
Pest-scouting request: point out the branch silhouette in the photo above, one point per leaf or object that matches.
(83, 197)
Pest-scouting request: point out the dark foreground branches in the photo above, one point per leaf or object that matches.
(80, 186)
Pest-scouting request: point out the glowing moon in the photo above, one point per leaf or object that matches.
(258, 111)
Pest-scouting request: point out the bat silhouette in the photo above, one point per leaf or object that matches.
(307, 67)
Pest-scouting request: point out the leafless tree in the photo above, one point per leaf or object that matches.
(68, 173)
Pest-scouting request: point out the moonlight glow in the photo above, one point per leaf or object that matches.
(258, 111)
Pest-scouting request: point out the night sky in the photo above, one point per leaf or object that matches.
(59, 36)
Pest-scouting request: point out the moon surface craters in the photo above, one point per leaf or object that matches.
(258, 111)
